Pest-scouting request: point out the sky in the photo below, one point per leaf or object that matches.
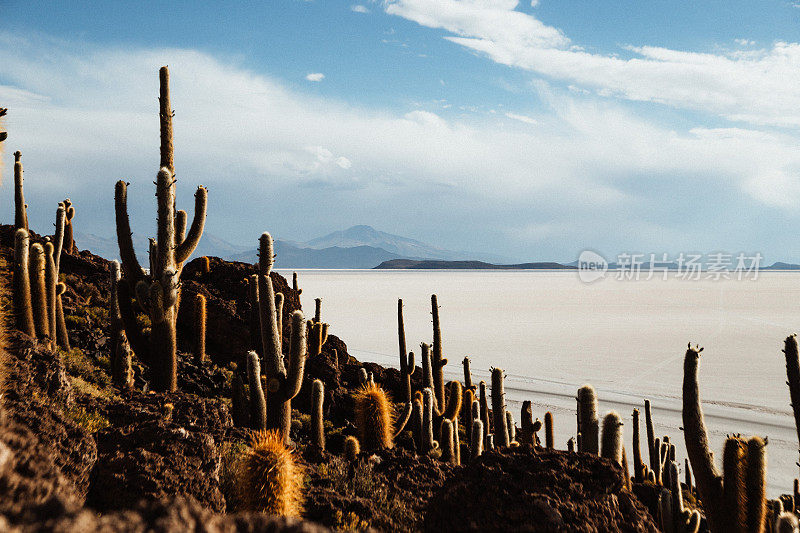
(531, 129)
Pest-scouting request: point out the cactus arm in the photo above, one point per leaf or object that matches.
(694, 429)
(403, 418)
(165, 193)
(61, 325)
(185, 249)
(180, 226)
(297, 356)
(793, 378)
(453, 406)
(136, 337)
(58, 236)
(272, 354)
(130, 265)
(258, 405)
(51, 281)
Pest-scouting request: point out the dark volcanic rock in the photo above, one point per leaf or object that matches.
(517, 490)
(152, 461)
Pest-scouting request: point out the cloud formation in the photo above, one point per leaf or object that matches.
(759, 86)
(315, 76)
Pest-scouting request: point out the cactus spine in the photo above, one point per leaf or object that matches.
(158, 291)
(199, 329)
(23, 306)
(587, 417)
(406, 358)
(20, 207)
(317, 420)
(499, 409)
(258, 404)
(548, 430)
(271, 479)
(612, 437)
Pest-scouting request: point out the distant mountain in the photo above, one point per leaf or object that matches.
(782, 266)
(467, 265)
(210, 245)
(401, 246)
(290, 256)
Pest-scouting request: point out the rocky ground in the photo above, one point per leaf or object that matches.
(79, 454)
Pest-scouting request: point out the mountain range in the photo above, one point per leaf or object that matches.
(356, 247)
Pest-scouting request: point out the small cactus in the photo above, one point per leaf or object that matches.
(447, 444)
(612, 437)
(512, 428)
(317, 420)
(787, 523)
(476, 440)
(199, 329)
(121, 371)
(548, 431)
(571, 445)
(351, 448)
(375, 420)
(587, 417)
(499, 409)
(467, 374)
(271, 479)
(69, 240)
(526, 423)
(297, 289)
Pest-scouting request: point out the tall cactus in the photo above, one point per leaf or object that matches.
(39, 291)
(438, 362)
(69, 240)
(20, 207)
(258, 404)
(428, 442)
(199, 330)
(548, 431)
(121, 372)
(639, 473)
(484, 404)
(587, 416)
(467, 374)
(447, 443)
(612, 437)
(735, 502)
(51, 282)
(159, 291)
(499, 409)
(476, 440)
(23, 306)
(297, 289)
(406, 358)
(652, 453)
(793, 378)
(317, 418)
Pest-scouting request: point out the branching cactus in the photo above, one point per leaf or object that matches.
(121, 372)
(736, 500)
(587, 416)
(438, 362)
(499, 409)
(317, 419)
(199, 330)
(23, 306)
(20, 207)
(406, 358)
(612, 437)
(283, 384)
(158, 292)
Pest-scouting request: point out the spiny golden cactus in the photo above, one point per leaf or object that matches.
(271, 478)
(374, 417)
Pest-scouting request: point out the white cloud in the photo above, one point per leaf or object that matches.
(86, 117)
(357, 8)
(534, 3)
(744, 42)
(522, 118)
(759, 87)
(315, 76)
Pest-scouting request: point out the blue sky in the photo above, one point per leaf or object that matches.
(534, 131)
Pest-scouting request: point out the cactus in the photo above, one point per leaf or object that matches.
(488, 442)
(121, 371)
(467, 397)
(20, 207)
(205, 264)
(484, 408)
(199, 330)
(317, 309)
(318, 335)
(279, 320)
(651, 435)
(416, 425)
(438, 362)
(297, 289)
(58, 236)
(69, 241)
(793, 378)
(571, 445)
(159, 291)
(428, 442)
(512, 429)
(467, 374)
(317, 420)
(612, 437)
(39, 291)
(526, 423)
(427, 368)
(258, 404)
(639, 468)
(23, 306)
(271, 479)
(406, 358)
(499, 409)
(588, 422)
(448, 452)
(375, 420)
(548, 430)
(62, 335)
(476, 441)
(735, 502)
(351, 448)
(687, 472)
(50, 280)
(787, 523)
